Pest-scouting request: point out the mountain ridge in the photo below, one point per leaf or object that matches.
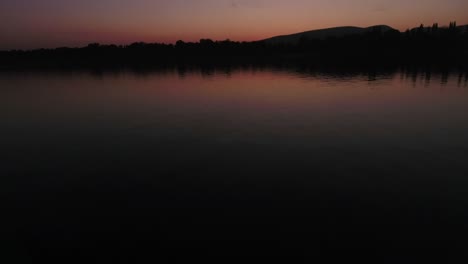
(326, 33)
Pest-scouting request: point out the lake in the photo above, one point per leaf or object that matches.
(195, 163)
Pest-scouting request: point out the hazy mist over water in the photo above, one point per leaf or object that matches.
(299, 161)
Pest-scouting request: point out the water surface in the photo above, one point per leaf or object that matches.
(234, 162)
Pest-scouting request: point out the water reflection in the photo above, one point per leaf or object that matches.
(442, 77)
(305, 72)
(277, 159)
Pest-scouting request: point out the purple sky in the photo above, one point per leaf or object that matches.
(52, 23)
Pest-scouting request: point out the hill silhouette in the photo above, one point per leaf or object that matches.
(321, 34)
(350, 46)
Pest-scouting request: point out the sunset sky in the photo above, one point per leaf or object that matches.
(30, 24)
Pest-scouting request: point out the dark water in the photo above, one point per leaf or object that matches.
(180, 165)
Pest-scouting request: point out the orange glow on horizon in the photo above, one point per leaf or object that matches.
(53, 23)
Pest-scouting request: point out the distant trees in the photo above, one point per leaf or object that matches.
(424, 43)
(453, 25)
(180, 44)
(435, 29)
(421, 29)
(207, 42)
(93, 45)
(453, 29)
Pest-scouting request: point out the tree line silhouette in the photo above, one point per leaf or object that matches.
(429, 45)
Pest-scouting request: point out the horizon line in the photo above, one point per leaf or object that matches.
(219, 40)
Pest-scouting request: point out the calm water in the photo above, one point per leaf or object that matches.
(259, 162)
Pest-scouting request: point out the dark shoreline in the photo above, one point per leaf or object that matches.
(422, 47)
(26, 62)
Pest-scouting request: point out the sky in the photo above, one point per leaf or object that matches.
(29, 24)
